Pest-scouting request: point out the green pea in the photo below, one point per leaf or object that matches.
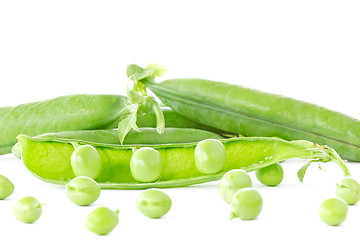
(27, 209)
(349, 190)
(271, 175)
(231, 182)
(153, 203)
(83, 191)
(102, 220)
(146, 165)
(16, 150)
(246, 204)
(86, 161)
(6, 187)
(333, 211)
(210, 156)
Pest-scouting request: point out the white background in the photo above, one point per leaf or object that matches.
(307, 50)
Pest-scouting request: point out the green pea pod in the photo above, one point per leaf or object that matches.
(49, 160)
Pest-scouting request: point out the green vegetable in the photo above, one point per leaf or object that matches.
(333, 211)
(246, 204)
(6, 187)
(146, 165)
(41, 155)
(349, 190)
(102, 220)
(16, 150)
(271, 175)
(249, 112)
(82, 191)
(210, 156)
(27, 209)
(231, 182)
(86, 161)
(153, 203)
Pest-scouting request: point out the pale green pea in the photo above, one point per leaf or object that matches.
(210, 156)
(333, 211)
(6, 187)
(153, 203)
(16, 150)
(246, 204)
(349, 190)
(102, 220)
(271, 175)
(146, 165)
(231, 182)
(86, 161)
(27, 209)
(82, 191)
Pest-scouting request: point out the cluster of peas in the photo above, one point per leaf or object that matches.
(146, 165)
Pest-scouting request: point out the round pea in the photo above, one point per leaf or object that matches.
(146, 165)
(27, 209)
(153, 203)
(349, 190)
(86, 161)
(231, 182)
(102, 220)
(210, 156)
(333, 211)
(6, 187)
(246, 204)
(82, 191)
(271, 175)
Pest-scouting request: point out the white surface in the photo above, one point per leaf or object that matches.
(306, 49)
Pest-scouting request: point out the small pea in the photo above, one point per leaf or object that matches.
(210, 156)
(231, 182)
(271, 175)
(333, 211)
(349, 190)
(153, 203)
(246, 204)
(102, 220)
(86, 161)
(146, 165)
(82, 191)
(27, 209)
(6, 187)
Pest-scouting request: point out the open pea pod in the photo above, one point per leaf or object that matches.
(49, 160)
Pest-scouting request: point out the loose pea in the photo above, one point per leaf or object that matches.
(146, 165)
(246, 204)
(210, 156)
(86, 161)
(349, 190)
(83, 191)
(271, 175)
(102, 220)
(333, 211)
(27, 209)
(153, 203)
(231, 182)
(6, 187)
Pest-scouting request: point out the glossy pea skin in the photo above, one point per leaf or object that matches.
(86, 161)
(153, 203)
(102, 220)
(6, 187)
(246, 204)
(82, 191)
(27, 209)
(348, 190)
(271, 175)
(146, 165)
(210, 156)
(231, 182)
(333, 211)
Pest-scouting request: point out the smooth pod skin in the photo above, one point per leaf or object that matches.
(6, 187)
(271, 175)
(102, 220)
(82, 191)
(348, 190)
(27, 209)
(250, 112)
(86, 161)
(231, 182)
(246, 204)
(146, 165)
(333, 211)
(153, 203)
(210, 156)
(40, 156)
